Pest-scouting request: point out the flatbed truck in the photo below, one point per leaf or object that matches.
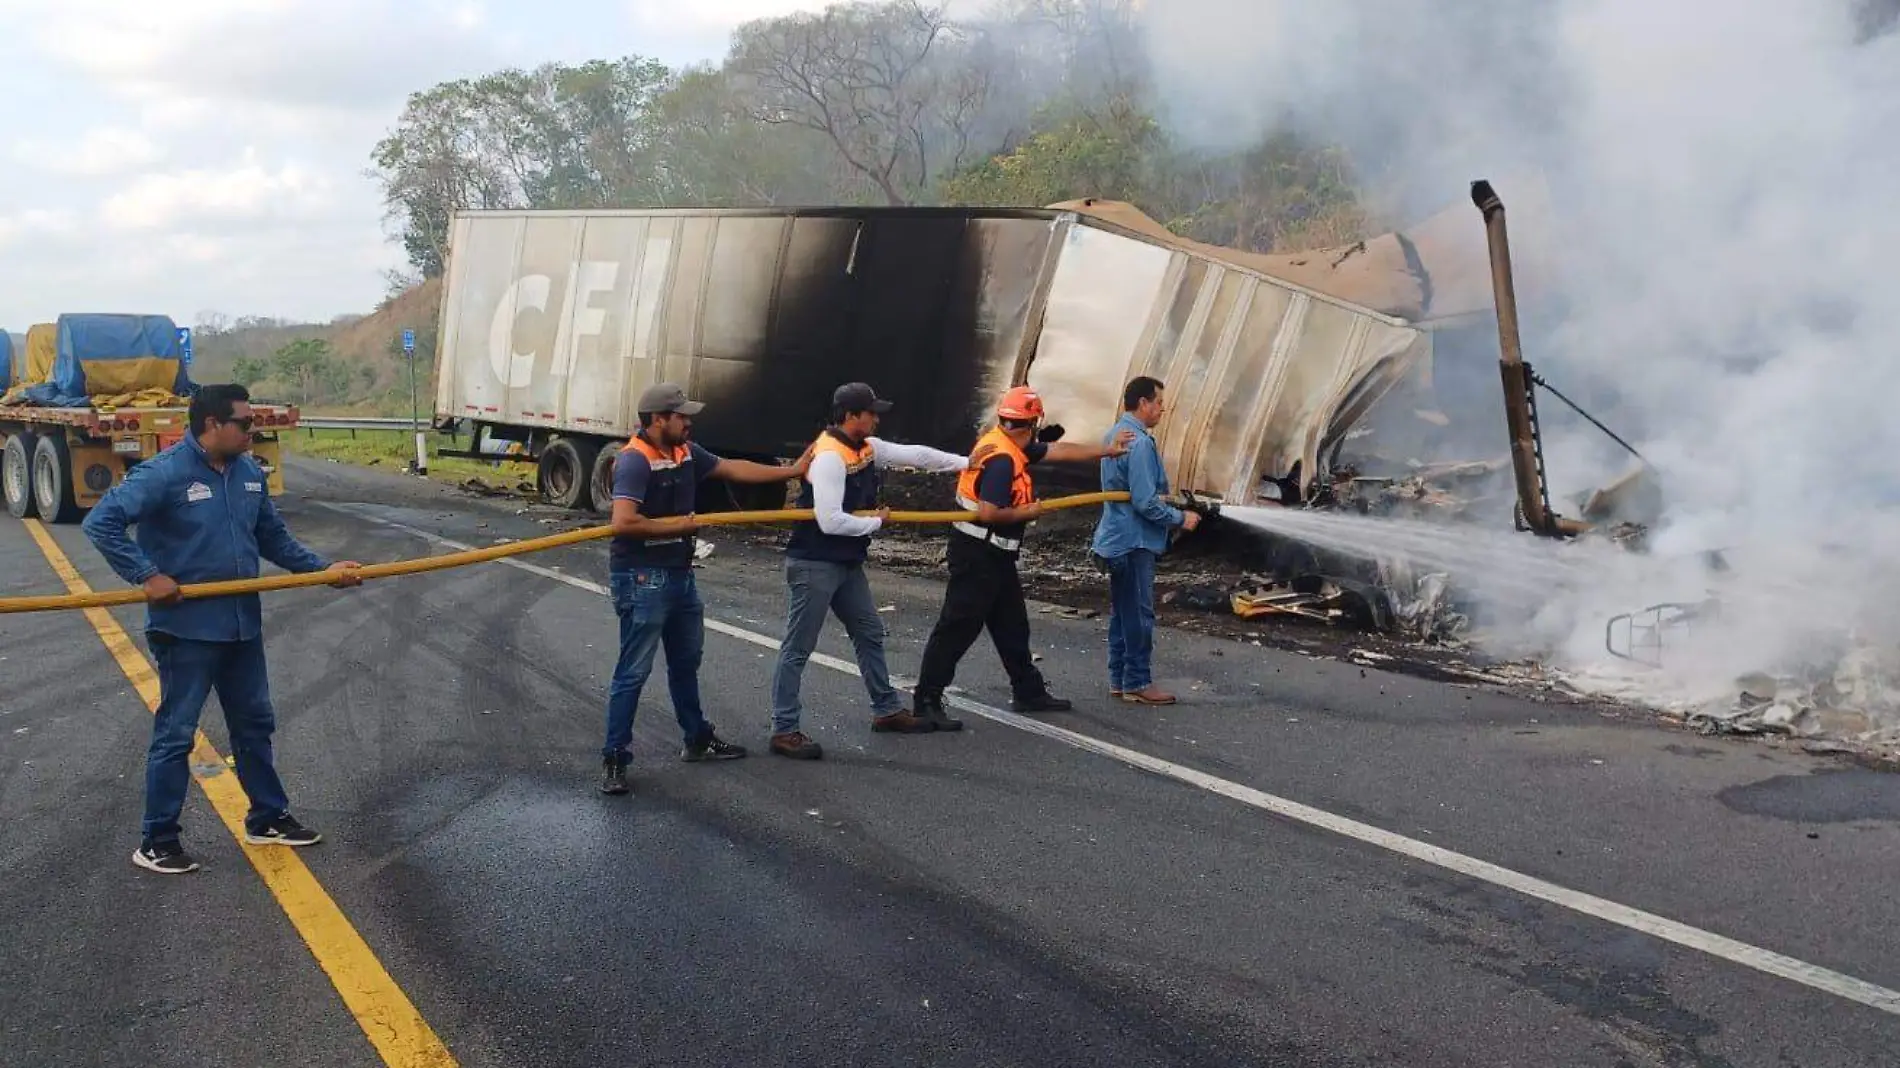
(57, 463)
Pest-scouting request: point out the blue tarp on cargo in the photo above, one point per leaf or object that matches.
(7, 372)
(106, 354)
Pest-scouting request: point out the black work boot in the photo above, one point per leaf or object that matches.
(613, 777)
(930, 709)
(1042, 702)
(712, 747)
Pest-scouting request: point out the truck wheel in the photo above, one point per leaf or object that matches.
(16, 472)
(566, 472)
(53, 481)
(604, 479)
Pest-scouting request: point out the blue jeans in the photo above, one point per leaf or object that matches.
(188, 672)
(1131, 620)
(843, 589)
(656, 604)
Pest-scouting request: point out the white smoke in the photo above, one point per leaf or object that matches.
(1724, 176)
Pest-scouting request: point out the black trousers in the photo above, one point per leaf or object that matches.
(984, 591)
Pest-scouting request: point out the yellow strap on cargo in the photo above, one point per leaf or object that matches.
(479, 556)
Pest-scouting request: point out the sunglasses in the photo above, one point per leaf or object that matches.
(243, 424)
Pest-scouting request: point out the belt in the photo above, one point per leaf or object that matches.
(985, 534)
(982, 533)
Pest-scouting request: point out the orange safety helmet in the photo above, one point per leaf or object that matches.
(1020, 404)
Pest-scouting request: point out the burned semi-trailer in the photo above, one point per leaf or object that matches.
(552, 322)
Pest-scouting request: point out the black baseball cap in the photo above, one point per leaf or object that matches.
(858, 397)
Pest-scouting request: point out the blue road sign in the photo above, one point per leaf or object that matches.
(184, 343)
(409, 342)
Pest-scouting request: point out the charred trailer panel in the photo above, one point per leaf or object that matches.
(553, 322)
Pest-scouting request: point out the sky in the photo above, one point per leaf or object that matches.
(209, 155)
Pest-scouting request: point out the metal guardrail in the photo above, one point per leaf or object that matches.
(318, 422)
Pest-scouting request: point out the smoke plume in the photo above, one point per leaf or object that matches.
(1723, 180)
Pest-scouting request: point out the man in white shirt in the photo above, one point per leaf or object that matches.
(825, 558)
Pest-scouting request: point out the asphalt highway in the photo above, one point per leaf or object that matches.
(1135, 887)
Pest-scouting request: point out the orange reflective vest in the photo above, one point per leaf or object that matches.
(1022, 489)
(671, 490)
(862, 483)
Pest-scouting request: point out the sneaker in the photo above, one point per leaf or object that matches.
(1042, 702)
(930, 710)
(165, 858)
(613, 778)
(796, 746)
(711, 747)
(282, 831)
(902, 721)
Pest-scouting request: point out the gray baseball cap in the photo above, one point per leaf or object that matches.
(668, 397)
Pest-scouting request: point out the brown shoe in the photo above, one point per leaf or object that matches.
(1153, 695)
(796, 746)
(902, 721)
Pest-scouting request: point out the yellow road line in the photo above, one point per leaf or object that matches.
(388, 1019)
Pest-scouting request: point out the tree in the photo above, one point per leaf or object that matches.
(894, 88)
(1284, 194)
(248, 372)
(717, 155)
(311, 371)
(440, 158)
(1095, 45)
(576, 137)
(1080, 156)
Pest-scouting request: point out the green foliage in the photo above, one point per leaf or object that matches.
(1079, 156)
(1284, 194)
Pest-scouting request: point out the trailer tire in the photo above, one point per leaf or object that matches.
(565, 474)
(53, 481)
(16, 472)
(603, 481)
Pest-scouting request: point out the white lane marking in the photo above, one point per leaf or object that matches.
(1715, 945)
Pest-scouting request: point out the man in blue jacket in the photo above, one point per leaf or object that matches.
(1130, 537)
(204, 514)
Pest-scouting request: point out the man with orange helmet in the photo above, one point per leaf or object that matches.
(984, 589)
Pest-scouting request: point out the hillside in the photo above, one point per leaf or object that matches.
(352, 364)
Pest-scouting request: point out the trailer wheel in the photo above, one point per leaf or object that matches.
(566, 472)
(16, 472)
(603, 485)
(53, 481)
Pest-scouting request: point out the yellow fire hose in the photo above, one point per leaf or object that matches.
(418, 566)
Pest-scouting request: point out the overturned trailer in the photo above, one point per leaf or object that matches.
(553, 321)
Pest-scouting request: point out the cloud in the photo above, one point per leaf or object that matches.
(348, 55)
(101, 152)
(242, 193)
(22, 227)
(711, 18)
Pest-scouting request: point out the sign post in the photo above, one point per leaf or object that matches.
(415, 409)
(184, 344)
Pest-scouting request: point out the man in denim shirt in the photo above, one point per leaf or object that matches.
(204, 515)
(656, 485)
(1130, 537)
